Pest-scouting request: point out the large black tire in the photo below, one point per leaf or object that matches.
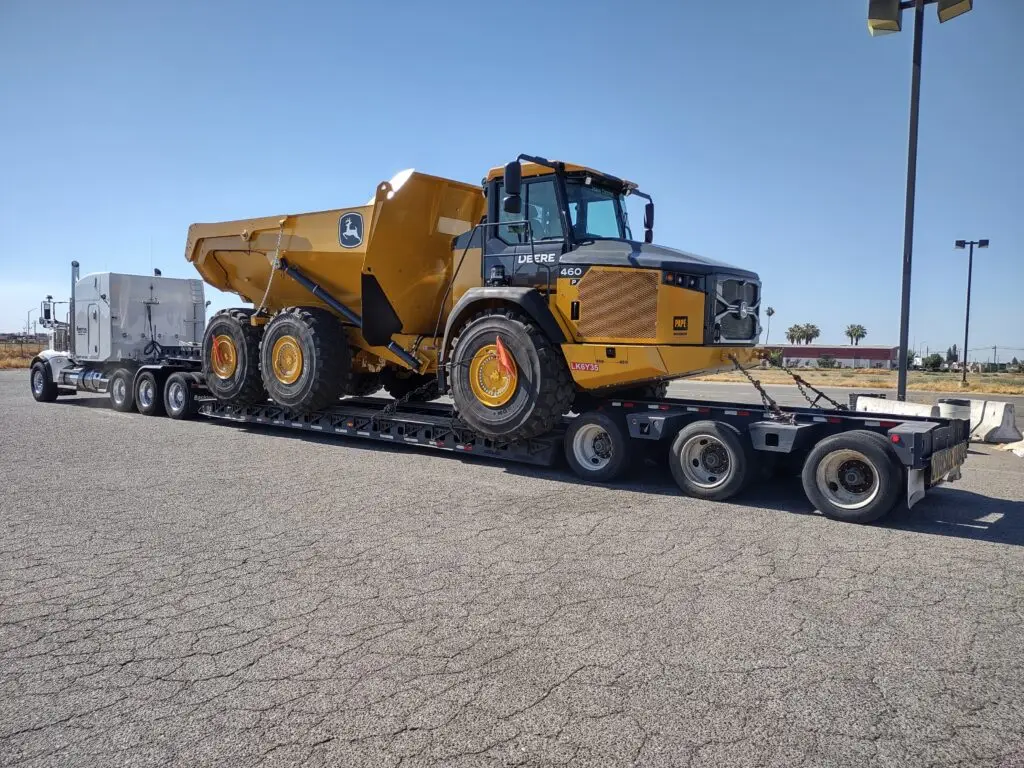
(179, 396)
(149, 394)
(242, 385)
(364, 384)
(324, 373)
(657, 390)
(398, 386)
(41, 380)
(543, 389)
(121, 390)
(597, 447)
(853, 477)
(711, 460)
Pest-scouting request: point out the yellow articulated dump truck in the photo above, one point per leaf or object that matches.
(518, 297)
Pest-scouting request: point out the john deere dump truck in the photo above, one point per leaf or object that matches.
(516, 297)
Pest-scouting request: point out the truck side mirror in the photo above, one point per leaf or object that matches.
(649, 223)
(46, 311)
(513, 203)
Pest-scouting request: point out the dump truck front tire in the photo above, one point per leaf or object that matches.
(305, 359)
(525, 401)
(231, 355)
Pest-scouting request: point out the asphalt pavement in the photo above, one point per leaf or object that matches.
(202, 594)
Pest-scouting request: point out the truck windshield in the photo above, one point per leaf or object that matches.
(597, 212)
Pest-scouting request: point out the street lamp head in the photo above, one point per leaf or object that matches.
(950, 9)
(883, 17)
(960, 244)
(983, 243)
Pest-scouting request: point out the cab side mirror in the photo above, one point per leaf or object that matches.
(46, 311)
(513, 203)
(649, 223)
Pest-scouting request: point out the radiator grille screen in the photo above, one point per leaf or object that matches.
(616, 304)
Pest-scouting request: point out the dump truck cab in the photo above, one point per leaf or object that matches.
(627, 311)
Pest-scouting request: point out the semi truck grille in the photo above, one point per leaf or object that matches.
(737, 304)
(619, 304)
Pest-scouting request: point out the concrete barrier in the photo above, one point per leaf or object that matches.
(993, 421)
(896, 407)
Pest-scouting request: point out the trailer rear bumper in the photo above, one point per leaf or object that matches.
(597, 366)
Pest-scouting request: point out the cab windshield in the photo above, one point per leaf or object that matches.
(596, 212)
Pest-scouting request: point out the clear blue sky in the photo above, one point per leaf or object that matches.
(772, 134)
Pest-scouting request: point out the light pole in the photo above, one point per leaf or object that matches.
(960, 244)
(28, 320)
(884, 17)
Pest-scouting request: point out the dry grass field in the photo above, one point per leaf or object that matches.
(14, 354)
(921, 381)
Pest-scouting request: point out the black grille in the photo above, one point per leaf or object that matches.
(733, 327)
(734, 291)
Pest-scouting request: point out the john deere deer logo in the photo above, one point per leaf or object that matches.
(350, 230)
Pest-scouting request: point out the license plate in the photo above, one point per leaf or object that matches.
(947, 460)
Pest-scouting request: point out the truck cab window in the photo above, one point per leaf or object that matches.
(540, 207)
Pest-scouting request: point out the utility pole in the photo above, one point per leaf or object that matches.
(960, 245)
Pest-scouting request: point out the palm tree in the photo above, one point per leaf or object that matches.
(861, 333)
(811, 332)
(851, 332)
(769, 312)
(794, 334)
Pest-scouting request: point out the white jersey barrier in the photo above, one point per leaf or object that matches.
(992, 421)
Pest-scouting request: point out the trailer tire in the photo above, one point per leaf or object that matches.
(231, 358)
(179, 399)
(44, 390)
(852, 477)
(400, 387)
(305, 359)
(148, 394)
(364, 384)
(121, 390)
(597, 447)
(508, 406)
(711, 460)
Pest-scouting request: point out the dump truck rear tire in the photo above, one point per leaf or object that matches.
(231, 358)
(401, 386)
(305, 359)
(524, 403)
(364, 384)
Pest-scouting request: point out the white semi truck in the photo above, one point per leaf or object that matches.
(129, 336)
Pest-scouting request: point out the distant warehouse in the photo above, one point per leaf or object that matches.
(812, 355)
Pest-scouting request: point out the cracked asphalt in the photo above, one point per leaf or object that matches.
(196, 594)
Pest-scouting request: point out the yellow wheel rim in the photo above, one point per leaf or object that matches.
(492, 385)
(223, 357)
(286, 359)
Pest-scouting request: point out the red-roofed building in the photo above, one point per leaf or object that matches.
(846, 356)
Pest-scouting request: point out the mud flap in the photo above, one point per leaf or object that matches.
(915, 487)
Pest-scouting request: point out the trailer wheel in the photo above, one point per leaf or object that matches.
(364, 384)
(400, 386)
(305, 358)
(43, 387)
(148, 398)
(508, 380)
(710, 460)
(597, 447)
(231, 358)
(852, 477)
(121, 391)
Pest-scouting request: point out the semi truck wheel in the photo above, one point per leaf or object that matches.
(508, 380)
(853, 477)
(43, 388)
(305, 359)
(597, 447)
(364, 384)
(710, 460)
(231, 357)
(148, 397)
(399, 386)
(179, 400)
(121, 391)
